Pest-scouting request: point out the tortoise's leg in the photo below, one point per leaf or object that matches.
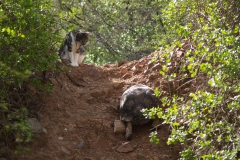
(128, 135)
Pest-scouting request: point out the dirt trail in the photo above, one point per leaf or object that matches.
(79, 119)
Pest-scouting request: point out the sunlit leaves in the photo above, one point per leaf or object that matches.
(210, 114)
(157, 92)
(154, 138)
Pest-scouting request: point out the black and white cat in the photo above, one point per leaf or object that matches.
(72, 48)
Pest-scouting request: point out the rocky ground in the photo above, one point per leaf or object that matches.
(78, 116)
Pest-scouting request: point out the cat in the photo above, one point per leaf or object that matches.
(72, 48)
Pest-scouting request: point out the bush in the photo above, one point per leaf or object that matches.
(27, 35)
(203, 101)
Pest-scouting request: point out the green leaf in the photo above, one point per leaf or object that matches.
(157, 92)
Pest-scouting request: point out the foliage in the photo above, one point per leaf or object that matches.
(27, 35)
(205, 114)
(121, 30)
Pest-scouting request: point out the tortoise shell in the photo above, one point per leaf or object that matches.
(133, 100)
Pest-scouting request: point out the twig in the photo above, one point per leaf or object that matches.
(156, 127)
(59, 83)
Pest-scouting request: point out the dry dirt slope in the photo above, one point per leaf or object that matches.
(79, 119)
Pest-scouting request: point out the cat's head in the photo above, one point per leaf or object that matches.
(82, 37)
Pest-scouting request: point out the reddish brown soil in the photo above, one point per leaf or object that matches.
(79, 119)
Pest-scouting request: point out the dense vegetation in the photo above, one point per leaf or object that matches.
(121, 30)
(205, 118)
(27, 36)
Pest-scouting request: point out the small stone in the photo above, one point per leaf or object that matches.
(117, 85)
(140, 156)
(125, 147)
(119, 126)
(95, 73)
(106, 65)
(134, 68)
(60, 138)
(81, 145)
(71, 127)
(65, 150)
(179, 54)
(34, 125)
(121, 63)
(124, 70)
(44, 130)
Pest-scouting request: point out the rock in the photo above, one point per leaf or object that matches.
(60, 138)
(65, 150)
(81, 144)
(124, 70)
(119, 126)
(95, 73)
(179, 54)
(125, 147)
(70, 127)
(121, 63)
(140, 156)
(106, 65)
(134, 68)
(118, 85)
(34, 125)
(44, 130)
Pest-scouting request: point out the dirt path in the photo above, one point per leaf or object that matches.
(79, 119)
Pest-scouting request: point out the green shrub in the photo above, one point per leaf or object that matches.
(204, 109)
(27, 34)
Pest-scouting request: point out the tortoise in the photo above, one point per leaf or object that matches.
(133, 100)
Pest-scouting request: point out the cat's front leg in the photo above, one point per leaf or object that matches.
(75, 60)
(80, 58)
(70, 56)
